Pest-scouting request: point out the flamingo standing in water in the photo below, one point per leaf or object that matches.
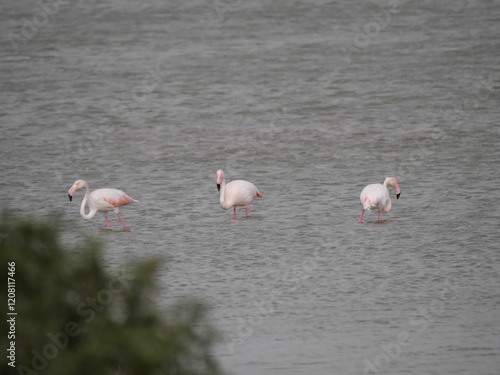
(236, 193)
(376, 196)
(102, 200)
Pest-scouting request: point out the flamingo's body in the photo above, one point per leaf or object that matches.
(101, 200)
(376, 196)
(236, 193)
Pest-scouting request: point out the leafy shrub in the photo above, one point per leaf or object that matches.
(75, 317)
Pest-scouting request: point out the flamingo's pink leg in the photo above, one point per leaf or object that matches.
(235, 212)
(378, 218)
(123, 223)
(360, 220)
(107, 221)
(246, 211)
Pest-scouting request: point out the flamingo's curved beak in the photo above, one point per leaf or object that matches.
(398, 191)
(70, 197)
(218, 187)
(397, 195)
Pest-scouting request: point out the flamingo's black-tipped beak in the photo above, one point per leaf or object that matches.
(218, 187)
(70, 197)
(397, 195)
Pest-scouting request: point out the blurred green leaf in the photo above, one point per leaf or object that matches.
(74, 317)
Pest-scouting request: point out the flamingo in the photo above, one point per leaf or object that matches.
(377, 196)
(236, 193)
(102, 200)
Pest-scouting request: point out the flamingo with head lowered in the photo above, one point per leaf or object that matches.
(101, 200)
(376, 196)
(236, 193)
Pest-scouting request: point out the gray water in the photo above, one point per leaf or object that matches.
(310, 101)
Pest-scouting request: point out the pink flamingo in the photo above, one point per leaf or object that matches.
(377, 196)
(236, 193)
(102, 200)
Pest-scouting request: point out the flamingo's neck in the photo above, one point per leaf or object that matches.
(222, 189)
(390, 184)
(222, 193)
(92, 211)
(387, 182)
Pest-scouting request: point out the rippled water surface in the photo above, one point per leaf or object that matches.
(309, 100)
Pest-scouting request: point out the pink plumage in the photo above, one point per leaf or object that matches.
(101, 200)
(236, 193)
(376, 197)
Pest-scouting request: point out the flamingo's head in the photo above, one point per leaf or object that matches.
(79, 184)
(393, 183)
(220, 178)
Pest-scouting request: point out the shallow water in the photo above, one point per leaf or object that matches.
(311, 101)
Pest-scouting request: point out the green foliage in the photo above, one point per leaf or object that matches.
(74, 317)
